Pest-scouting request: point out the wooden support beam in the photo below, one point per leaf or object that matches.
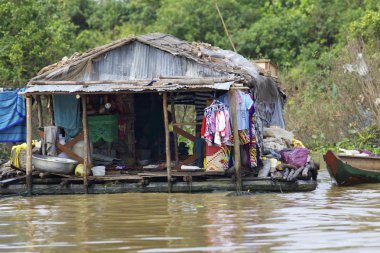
(74, 140)
(9, 181)
(69, 152)
(237, 163)
(190, 160)
(187, 161)
(51, 110)
(39, 111)
(184, 133)
(67, 148)
(86, 144)
(174, 133)
(167, 139)
(29, 144)
(239, 88)
(161, 81)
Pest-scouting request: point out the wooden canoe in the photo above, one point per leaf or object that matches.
(351, 170)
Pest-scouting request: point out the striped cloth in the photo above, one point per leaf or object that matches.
(200, 99)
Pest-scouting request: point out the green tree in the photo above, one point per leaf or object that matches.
(33, 33)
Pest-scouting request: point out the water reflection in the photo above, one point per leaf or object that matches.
(328, 219)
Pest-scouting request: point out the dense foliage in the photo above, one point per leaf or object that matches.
(309, 39)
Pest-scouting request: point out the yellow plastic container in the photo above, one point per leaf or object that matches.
(79, 170)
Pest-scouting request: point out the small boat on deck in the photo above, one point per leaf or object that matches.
(351, 170)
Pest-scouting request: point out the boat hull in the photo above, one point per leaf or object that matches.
(346, 174)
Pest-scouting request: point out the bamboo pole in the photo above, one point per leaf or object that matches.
(174, 133)
(39, 111)
(29, 144)
(224, 26)
(86, 144)
(236, 140)
(167, 140)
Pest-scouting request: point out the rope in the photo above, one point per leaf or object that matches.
(224, 25)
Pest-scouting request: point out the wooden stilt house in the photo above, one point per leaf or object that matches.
(125, 78)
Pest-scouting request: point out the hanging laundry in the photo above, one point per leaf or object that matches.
(243, 137)
(199, 149)
(243, 103)
(216, 126)
(253, 144)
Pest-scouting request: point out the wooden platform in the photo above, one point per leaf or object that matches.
(183, 182)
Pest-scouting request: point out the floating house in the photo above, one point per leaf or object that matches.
(117, 106)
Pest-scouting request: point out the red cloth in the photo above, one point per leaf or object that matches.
(203, 128)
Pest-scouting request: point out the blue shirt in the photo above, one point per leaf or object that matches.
(244, 102)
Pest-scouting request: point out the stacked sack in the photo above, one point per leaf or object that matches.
(284, 157)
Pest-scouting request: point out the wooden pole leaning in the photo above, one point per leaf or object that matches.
(174, 133)
(29, 144)
(86, 144)
(167, 140)
(236, 141)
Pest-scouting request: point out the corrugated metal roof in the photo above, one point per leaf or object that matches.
(147, 57)
(111, 87)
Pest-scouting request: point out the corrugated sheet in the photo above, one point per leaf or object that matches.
(106, 88)
(144, 56)
(138, 61)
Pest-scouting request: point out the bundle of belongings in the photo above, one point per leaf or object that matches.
(285, 157)
(356, 152)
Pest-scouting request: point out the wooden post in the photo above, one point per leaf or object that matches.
(39, 111)
(51, 110)
(85, 144)
(29, 144)
(174, 133)
(167, 139)
(236, 140)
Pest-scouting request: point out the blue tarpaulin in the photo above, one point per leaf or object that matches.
(12, 117)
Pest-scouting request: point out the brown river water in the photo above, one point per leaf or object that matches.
(329, 219)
